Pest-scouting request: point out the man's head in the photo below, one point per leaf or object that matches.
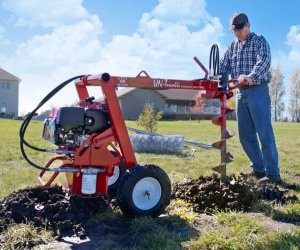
(239, 24)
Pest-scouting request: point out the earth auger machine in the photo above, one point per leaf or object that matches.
(94, 151)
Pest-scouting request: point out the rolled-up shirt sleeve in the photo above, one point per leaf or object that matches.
(225, 62)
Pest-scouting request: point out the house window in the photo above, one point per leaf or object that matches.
(3, 107)
(5, 84)
(170, 108)
(173, 108)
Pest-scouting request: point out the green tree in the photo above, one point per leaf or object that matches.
(148, 119)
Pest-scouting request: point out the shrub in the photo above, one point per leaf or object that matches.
(148, 119)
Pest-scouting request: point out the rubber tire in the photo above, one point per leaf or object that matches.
(128, 183)
(112, 188)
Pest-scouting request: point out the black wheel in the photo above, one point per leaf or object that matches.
(144, 191)
(119, 171)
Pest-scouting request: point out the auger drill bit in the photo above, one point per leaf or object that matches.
(226, 157)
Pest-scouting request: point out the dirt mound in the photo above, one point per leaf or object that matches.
(275, 193)
(49, 208)
(238, 193)
(54, 209)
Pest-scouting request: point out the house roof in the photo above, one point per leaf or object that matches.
(169, 94)
(4, 75)
(43, 115)
(175, 94)
(123, 91)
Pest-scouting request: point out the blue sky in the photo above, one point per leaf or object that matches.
(45, 42)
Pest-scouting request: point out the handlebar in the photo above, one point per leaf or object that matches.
(54, 175)
(234, 84)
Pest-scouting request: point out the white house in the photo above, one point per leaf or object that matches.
(9, 94)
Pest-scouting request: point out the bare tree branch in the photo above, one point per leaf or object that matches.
(277, 93)
(294, 96)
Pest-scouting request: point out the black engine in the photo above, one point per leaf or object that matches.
(70, 126)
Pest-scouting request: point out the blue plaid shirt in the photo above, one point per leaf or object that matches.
(251, 58)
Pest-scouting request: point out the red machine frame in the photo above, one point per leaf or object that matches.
(87, 155)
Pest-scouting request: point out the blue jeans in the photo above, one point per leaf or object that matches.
(255, 128)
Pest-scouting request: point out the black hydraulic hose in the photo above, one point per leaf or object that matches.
(31, 115)
(214, 59)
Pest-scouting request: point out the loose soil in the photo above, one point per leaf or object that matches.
(50, 208)
(207, 194)
(65, 215)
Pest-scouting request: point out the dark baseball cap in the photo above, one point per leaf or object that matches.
(238, 21)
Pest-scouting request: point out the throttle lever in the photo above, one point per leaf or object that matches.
(202, 67)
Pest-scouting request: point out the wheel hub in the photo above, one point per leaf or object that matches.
(146, 193)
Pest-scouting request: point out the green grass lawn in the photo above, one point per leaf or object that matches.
(16, 173)
(287, 138)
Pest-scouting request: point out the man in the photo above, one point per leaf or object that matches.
(248, 60)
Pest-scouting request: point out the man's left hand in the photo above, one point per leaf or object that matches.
(244, 79)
